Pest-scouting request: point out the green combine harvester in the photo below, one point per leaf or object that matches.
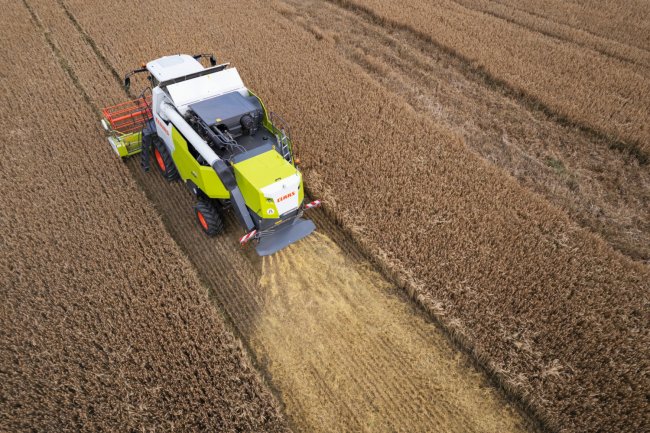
(205, 127)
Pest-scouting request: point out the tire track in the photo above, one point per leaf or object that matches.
(60, 57)
(557, 35)
(589, 32)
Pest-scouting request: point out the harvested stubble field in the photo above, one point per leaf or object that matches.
(343, 348)
(548, 308)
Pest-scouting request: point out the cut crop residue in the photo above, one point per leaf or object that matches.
(347, 353)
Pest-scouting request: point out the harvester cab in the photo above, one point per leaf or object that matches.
(204, 126)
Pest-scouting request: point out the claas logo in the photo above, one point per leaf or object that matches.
(286, 196)
(162, 126)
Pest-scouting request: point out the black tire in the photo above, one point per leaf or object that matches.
(208, 218)
(163, 160)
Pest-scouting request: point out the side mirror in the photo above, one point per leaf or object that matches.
(127, 77)
(210, 57)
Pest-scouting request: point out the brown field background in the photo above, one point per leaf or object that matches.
(603, 89)
(600, 188)
(103, 322)
(549, 308)
(359, 358)
(607, 22)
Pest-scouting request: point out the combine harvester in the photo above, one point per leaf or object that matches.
(206, 128)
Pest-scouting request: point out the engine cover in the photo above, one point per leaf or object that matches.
(271, 186)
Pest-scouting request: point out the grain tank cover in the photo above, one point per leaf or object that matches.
(207, 86)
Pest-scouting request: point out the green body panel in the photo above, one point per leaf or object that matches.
(262, 170)
(189, 168)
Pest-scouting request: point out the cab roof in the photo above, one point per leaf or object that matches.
(170, 67)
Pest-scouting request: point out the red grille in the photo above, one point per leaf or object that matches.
(128, 116)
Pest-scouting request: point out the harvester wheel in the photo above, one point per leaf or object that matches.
(208, 217)
(164, 161)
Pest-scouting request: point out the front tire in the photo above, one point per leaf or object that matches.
(208, 218)
(164, 161)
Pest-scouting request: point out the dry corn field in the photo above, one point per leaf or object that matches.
(481, 262)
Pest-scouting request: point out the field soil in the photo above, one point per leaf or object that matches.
(104, 325)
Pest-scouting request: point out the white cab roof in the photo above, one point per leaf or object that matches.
(169, 67)
(206, 86)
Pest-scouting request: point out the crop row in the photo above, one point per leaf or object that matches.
(104, 324)
(576, 83)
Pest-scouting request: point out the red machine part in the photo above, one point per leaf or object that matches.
(247, 237)
(129, 116)
(313, 204)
